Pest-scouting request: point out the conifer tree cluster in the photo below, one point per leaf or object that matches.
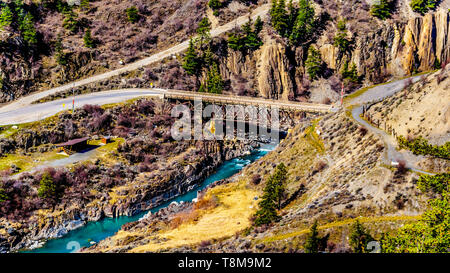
(382, 9)
(340, 40)
(15, 14)
(295, 23)
(274, 192)
(314, 242)
(199, 58)
(359, 238)
(313, 63)
(247, 39)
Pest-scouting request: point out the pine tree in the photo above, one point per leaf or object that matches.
(279, 16)
(279, 183)
(60, 55)
(84, 4)
(6, 16)
(203, 32)
(214, 82)
(271, 200)
(27, 29)
(381, 10)
(313, 63)
(70, 21)
(190, 60)
(258, 25)
(359, 238)
(304, 23)
(313, 240)
(47, 188)
(87, 38)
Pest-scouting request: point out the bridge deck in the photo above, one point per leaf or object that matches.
(240, 100)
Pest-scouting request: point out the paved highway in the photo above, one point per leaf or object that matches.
(34, 112)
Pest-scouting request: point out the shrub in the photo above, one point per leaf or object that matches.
(132, 14)
(382, 10)
(47, 188)
(420, 146)
(256, 179)
(215, 4)
(422, 6)
(438, 183)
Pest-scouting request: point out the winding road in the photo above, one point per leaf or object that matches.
(177, 49)
(34, 112)
(379, 93)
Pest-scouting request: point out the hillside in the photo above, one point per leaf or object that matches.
(370, 50)
(422, 109)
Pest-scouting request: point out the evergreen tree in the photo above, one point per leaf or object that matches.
(60, 55)
(215, 4)
(47, 188)
(382, 10)
(70, 21)
(340, 40)
(359, 238)
(27, 29)
(422, 6)
(351, 74)
(304, 23)
(279, 16)
(3, 195)
(84, 4)
(203, 32)
(279, 183)
(258, 25)
(292, 15)
(313, 240)
(6, 16)
(214, 82)
(87, 38)
(190, 61)
(274, 191)
(247, 38)
(313, 63)
(428, 235)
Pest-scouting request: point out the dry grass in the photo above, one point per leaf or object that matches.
(236, 205)
(346, 222)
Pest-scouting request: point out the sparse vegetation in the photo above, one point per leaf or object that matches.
(273, 194)
(383, 9)
(359, 238)
(247, 39)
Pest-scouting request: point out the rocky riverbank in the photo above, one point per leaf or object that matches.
(140, 195)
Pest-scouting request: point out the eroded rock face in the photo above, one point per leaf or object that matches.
(274, 79)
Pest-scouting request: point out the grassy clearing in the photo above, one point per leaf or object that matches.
(26, 163)
(236, 205)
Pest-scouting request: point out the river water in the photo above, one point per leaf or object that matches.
(97, 231)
